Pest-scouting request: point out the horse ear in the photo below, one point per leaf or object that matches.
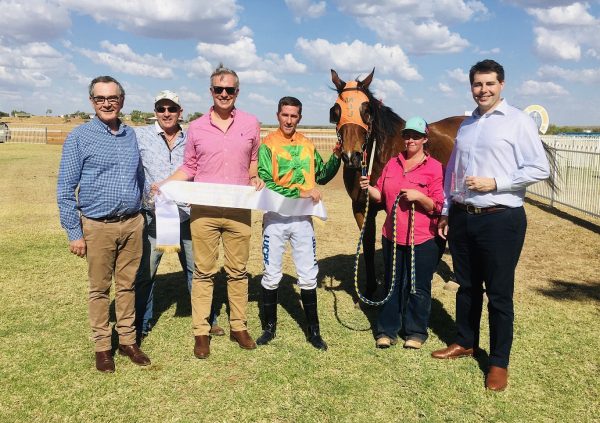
(367, 81)
(339, 84)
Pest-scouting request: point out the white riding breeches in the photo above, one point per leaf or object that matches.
(277, 230)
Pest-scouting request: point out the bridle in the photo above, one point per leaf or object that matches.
(349, 100)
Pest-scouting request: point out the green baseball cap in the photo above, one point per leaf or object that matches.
(417, 124)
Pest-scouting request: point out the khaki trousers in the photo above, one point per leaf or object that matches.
(209, 225)
(113, 249)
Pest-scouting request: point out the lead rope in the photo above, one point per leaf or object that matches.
(412, 255)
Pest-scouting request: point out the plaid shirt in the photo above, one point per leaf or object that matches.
(159, 162)
(106, 169)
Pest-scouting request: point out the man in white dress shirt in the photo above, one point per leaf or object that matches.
(497, 154)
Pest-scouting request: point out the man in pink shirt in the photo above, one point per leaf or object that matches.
(222, 148)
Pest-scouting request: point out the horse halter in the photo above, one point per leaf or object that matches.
(349, 102)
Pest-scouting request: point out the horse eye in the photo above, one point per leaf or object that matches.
(365, 112)
(334, 113)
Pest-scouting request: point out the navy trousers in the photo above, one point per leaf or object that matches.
(485, 249)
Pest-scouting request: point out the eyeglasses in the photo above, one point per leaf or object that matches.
(219, 90)
(113, 99)
(171, 109)
(412, 135)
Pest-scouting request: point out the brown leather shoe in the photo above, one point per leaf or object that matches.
(496, 379)
(243, 339)
(202, 346)
(105, 362)
(216, 330)
(452, 351)
(134, 353)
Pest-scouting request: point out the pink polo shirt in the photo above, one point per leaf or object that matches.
(426, 178)
(214, 156)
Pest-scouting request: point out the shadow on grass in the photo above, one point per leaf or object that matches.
(572, 291)
(564, 215)
(341, 269)
(287, 297)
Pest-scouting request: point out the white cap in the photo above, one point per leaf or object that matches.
(167, 95)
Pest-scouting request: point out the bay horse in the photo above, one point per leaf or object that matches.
(360, 119)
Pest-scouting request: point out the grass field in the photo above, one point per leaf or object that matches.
(47, 369)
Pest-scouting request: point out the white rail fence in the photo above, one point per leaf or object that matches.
(577, 176)
(577, 157)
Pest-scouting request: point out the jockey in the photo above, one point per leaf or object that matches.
(290, 165)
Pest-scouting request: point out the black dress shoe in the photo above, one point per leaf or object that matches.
(105, 362)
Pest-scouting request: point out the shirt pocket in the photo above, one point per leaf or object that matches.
(419, 183)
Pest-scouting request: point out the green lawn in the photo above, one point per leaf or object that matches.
(47, 369)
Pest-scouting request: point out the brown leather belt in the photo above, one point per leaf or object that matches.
(478, 210)
(114, 219)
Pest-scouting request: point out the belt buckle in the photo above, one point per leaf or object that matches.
(472, 209)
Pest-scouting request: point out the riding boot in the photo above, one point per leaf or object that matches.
(269, 297)
(309, 303)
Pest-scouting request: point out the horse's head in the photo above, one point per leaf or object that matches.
(353, 117)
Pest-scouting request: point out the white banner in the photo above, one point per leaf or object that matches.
(222, 195)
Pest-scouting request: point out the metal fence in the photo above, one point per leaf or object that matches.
(28, 135)
(577, 175)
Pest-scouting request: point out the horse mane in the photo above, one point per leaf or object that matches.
(386, 123)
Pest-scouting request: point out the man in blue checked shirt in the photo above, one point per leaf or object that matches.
(99, 196)
(161, 148)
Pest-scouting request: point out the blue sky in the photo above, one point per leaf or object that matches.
(421, 52)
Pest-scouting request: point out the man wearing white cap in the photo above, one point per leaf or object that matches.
(161, 148)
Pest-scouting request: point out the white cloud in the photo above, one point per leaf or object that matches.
(445, 88)
(385, 89)
(306, 9)
(32, 65)
(239, 54)
(458, 74)
(287, 64)
(209, 20)
(262, 100)
(556, 45)
(541, 89)
(564, 32)
(585, 76)
(419, 27)
(575, 14)
(121, 58)
(34, 20)
(358, 57)
(258, 77)
(540, 3)
(495, 50)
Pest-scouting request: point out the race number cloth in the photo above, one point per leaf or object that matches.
(221, 195)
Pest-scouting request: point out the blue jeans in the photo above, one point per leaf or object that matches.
(404, 311)
(144, 283)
